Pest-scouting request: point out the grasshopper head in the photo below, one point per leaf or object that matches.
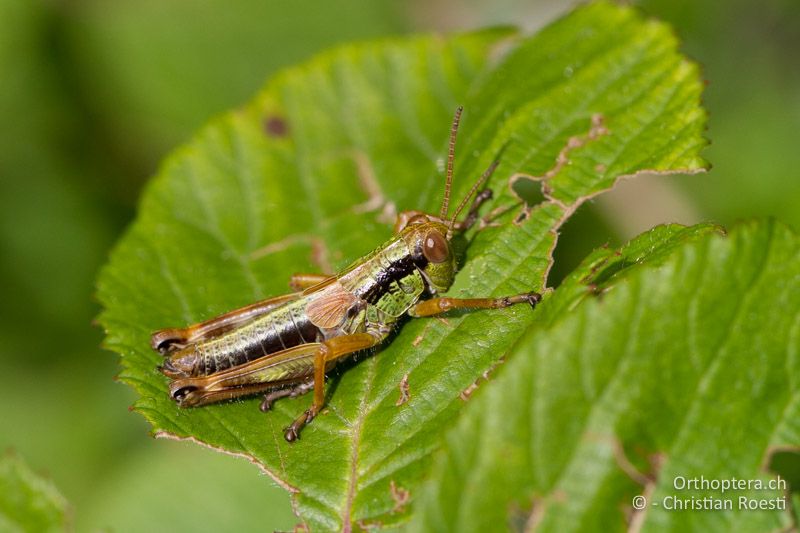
(432, 252)
(430, 237)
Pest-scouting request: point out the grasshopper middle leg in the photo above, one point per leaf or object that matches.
(292, 392)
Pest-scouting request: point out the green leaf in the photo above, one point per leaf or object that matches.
(27, 501)
(303, 178)
(601, 268)
(686, 366)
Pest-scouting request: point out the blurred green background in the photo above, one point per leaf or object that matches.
(95, 92)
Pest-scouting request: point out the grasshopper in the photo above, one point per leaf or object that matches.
(283, 346)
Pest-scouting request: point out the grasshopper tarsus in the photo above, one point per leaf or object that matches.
(292, 432)
(534, 298)
(269, 401)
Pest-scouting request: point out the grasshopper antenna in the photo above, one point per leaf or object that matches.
(485, 176)
(451, 155)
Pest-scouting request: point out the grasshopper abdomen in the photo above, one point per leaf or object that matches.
(284, 327)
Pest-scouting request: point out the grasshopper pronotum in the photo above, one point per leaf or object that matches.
(284, 345)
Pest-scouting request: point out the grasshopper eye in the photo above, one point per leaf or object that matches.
(435, 247)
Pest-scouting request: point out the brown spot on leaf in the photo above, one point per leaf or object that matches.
(281, 245)
(399, 495)
(405, 394)
(276, 126)
(467, 393)
(642, 478)
(421, 335)
(376, 200)
(648, 480)
(366, 525)
(522, 217)
(539, 507)
(320, 254)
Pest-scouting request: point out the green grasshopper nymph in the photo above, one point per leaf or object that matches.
(283, 346)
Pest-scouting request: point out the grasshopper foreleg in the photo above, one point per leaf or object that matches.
(292, 392)
(436, 306)
(327, 352)
(472, 214)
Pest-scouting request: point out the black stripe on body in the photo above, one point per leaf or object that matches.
(259, 339)
(392, 271)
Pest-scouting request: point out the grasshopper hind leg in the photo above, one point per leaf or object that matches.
(179, 395)
(170, 340)
(292, 392)
(328, 352)
(167, 341)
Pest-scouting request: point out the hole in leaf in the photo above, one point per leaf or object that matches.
(582, 233)
(786, 464)
(527, 190)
